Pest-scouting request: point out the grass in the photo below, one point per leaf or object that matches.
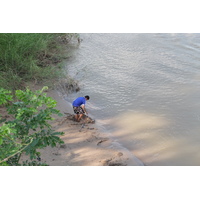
(31, 57)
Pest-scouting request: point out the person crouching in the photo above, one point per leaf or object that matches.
(79, 107)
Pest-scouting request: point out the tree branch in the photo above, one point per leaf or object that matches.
(5, 159)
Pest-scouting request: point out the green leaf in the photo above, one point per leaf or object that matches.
(58, 133)
(60, 114)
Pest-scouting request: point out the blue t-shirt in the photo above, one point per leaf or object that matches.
(79, 101)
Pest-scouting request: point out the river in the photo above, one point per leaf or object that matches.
(144, 91)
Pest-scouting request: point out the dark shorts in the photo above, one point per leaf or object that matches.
(78, 110)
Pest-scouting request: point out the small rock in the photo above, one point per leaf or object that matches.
(120, 154)
(64, 146)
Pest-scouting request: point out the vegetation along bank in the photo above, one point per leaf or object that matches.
(25, 115)
(34, 57)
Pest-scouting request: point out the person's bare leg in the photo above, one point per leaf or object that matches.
(79, 117)
(76, 117)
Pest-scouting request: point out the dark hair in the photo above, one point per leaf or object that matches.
(87, 97)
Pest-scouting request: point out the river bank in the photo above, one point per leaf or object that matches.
(83, 146)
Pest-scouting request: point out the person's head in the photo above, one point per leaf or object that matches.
(87, 97)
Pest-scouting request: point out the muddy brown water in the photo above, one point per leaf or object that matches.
(145, 92)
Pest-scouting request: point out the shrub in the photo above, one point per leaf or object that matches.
(28, 128)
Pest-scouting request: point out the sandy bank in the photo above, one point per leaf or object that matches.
(84, 146)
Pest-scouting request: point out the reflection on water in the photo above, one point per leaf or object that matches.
(145, 91)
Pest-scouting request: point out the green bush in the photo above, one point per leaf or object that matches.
(28, 128)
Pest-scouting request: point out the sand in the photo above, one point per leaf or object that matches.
(83, 146)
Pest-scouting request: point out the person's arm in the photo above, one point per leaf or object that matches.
(83, 106)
